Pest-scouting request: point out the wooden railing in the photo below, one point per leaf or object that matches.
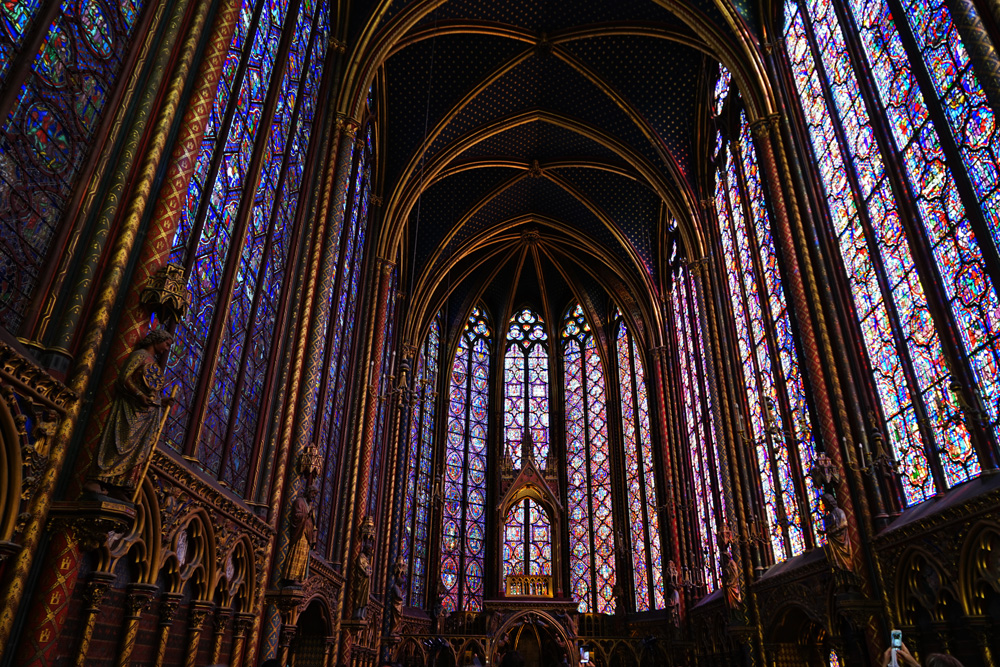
(529, 586)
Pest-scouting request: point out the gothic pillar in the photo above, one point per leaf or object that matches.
(242, 624)
(363, 459)
(136, 599)
(197, 615)
(222, 618)
(152, 151)
(93, 595)
(155, 250)
(169, 604)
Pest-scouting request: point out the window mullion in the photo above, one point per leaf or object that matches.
(782, 514)
(266, 256)
(777, 370)
(916, 235)
(928, 440)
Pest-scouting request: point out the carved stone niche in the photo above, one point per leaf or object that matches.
(93, 520)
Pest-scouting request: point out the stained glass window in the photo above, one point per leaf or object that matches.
(527, 545)
(236, 249)
(777, 425)
(913, 380)
(526, 388)
(343, 309)
(49, 132)
(417, 501)
(588, 475)
(640, 473)
(387, 370)
(463, 524)
(699, 429)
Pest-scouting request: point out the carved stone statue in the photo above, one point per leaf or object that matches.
(673, 594)
(303, 537)
(135, 421)
(396, 594)
(361, 581)
(731, 581)
(838, 542)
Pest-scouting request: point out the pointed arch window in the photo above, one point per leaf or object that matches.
(640, 473)
(463, 523)
(526, 387)
(417, 502)
(588, 469)
(343, 308)
(779, 427)
(843, 88)
(236, 231)
(699, 427)
(51, 128)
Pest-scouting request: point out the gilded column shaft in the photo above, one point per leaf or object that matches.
(199, 613)
(93, 593)
(124, 159)
(222, 619)
(136, 600)
(242, 625)
(157, 245)
(151, 147)
(169, 603)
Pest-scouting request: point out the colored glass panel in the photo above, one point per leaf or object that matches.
(212, 248)
(953, 243)
(698, 428)
(640, 477)
(588, 478)
(46, 137)
(526, 387)
(417, 501)
(722, 88)
(244, 348)
(787, 373)
(968, 112)
(527, 547)
(893, 317)
(463, 516)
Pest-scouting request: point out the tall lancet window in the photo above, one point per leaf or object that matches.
(417, 502)
(526, 388)
(463, 526)
(699, 429)
(640, 473)
(235, 237)
(927, 324)
(588, 475)
(778, 426)
(527, 529)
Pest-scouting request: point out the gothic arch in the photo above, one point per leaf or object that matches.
(190, 556)
(10, 472)
(979, 570)
(922, 590)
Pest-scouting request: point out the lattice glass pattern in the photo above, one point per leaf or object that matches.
(588, 478)
(640, 477)
(526, 387)
(463, 521)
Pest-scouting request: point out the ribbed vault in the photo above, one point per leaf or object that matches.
(567, 137)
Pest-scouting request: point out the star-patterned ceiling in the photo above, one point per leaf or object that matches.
(557, 136)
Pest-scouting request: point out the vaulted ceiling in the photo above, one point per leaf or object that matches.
(565, 137)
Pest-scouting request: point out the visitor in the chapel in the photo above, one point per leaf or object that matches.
(451, 333)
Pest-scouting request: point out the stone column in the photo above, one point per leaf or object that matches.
(242, 625)
(93, 595)
(136, 599)
(222, 618)
(169, 604)
(197, 615)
